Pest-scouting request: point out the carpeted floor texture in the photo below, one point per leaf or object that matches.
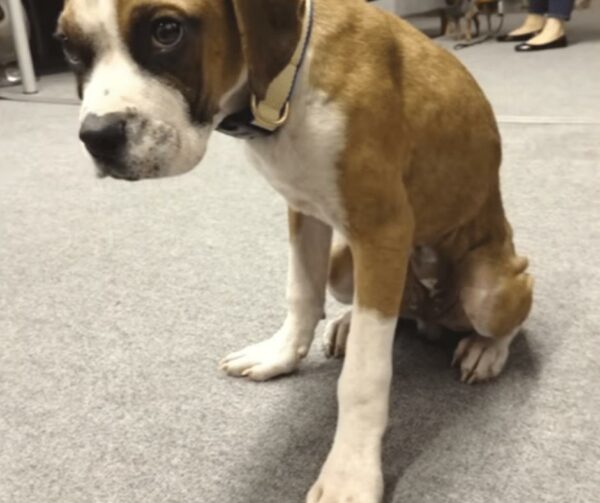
(117, 300)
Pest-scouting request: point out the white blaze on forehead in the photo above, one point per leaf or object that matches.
(98, 20)
(116, 82)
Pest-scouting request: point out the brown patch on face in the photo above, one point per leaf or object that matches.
(207, 61)
(270, 31)
(77, 47)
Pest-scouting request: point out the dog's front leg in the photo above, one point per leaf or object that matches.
(310, 243)
(352, 471)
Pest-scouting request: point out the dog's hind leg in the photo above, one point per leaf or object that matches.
(341, 286)
(496, 294)
(341, 273)
(336, 333)
(310, 243)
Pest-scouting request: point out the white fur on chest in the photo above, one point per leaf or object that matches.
(300, 160)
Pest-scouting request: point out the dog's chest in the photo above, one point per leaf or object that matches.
(300, 160)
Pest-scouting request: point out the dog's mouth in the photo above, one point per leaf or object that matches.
(119, 176)
(109, 168)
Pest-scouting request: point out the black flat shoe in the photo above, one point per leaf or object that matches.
(507, 37)
(555, 44)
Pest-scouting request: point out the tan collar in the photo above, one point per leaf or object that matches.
(267, 116)
(272, 112)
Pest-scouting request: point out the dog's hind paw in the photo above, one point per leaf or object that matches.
(481, 358)
(336, 334)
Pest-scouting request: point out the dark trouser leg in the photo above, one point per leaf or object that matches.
(538, 6)
(560, 9)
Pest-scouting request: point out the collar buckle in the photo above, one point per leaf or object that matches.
(267, 117)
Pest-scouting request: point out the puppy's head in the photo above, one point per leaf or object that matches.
(156, 76)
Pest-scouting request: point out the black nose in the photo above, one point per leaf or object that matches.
(104, 136)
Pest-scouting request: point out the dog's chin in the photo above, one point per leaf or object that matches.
(121, 171)
(103, 171)
(135, 169)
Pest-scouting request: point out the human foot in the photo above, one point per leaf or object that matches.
(553, 30)
(532, 24)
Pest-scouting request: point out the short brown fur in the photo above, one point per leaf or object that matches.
(422, 161)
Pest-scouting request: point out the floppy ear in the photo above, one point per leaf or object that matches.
(270, 31)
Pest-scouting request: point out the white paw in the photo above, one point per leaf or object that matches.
(265, 360)
(481, 358)
(336, 335)
(349, 480)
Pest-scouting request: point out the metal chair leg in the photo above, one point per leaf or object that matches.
(19, 32)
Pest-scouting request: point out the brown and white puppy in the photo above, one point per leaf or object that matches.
(369, 150)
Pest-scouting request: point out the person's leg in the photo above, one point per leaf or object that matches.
(561, 9)
(539, 6)
(559, 12)
(535, 20)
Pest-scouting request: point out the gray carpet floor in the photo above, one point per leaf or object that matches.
(117, 300)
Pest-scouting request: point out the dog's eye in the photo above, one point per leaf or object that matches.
(71, 54)
(73, 58)
(167, 32)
